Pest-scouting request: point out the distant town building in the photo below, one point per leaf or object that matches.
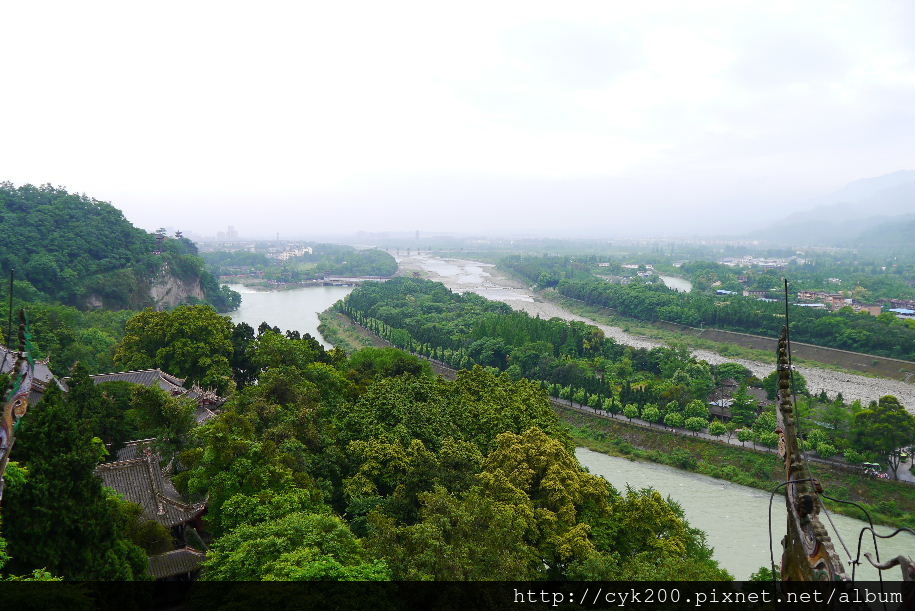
(229, 235)
(873, 310)
(766, 263)
(908, 304)
(295, 252)
(836, 300)
(904, 313)
(755, 293)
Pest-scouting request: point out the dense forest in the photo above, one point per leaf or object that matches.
(328, 466)
(324, 260)
(883, 335)
(72, 249)
(574, 361)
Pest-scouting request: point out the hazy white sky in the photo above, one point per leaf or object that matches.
(484, 117)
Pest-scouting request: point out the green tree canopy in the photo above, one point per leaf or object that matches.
(62, 504)
(191, 342)
(885, 428)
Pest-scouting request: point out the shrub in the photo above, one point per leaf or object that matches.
(717, 428)
(674, 420)
(696, 424)
(854, 457)
(826, 450)
(768, 439)
(683, 459)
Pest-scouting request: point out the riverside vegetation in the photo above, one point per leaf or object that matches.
(665, 386)
(323, 260)
(328, 466)
(883, 335)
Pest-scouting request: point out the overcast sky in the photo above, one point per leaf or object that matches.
(490, 117)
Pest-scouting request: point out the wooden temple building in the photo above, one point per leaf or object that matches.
(137, 474)
(138, 477)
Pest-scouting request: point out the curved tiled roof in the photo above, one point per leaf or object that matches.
(176, 562)
(146, 377)
(135, 449)
(141, 481)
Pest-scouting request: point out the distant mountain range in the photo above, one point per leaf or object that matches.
(873, 213)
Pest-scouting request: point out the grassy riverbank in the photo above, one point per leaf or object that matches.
(340, 332)
(889, 503)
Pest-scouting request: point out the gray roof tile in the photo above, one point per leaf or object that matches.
(145, 377)
(141, 481)
(176, 562)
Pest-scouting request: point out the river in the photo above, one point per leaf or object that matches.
(735, 517)
(462, 275)
(293, 309)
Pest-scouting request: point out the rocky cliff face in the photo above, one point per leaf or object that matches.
(167, 290)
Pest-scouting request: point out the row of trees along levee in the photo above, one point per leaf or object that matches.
(652, 301)
(576, 362)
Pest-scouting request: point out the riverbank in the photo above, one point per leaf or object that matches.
(461, 275)
(890, 503)
(260, 284)
(742, 345)
(341, 332)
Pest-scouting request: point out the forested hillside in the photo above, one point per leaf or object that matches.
(328, 467)
(75, 250)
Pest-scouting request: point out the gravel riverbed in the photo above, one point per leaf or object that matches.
(484, 279)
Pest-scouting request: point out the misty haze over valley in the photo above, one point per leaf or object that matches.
(596, 121)
(482, 291)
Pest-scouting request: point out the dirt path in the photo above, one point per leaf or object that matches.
(484, 279)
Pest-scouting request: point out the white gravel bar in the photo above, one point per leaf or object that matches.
(462, 275)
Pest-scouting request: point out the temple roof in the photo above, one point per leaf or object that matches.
(141, 481)
(135, 449)
(205, 399)
(43, 373)
(176, 562)
(202, 414)
(145, 377)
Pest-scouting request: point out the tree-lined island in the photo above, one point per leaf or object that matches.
(435, 441)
